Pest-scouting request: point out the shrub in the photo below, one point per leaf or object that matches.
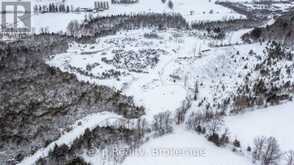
(249, 149)
(214, 138)
(237, 143)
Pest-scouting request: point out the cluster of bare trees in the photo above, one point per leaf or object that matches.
(73, 28)
(211, 125)
(162, 123)
(266, 150)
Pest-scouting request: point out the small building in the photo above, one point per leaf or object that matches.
(101, 5)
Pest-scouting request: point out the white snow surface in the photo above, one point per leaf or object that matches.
(275, 121)
(154, 90)
(54, 22)
(187, 56)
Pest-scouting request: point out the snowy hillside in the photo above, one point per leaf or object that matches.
(159, 69)
(158, 82)
(271, 121)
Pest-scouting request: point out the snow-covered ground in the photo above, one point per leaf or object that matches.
(183, 147)
(160, 73)
(276, 121)
(55, 22)
(184, 57)
(153, 89)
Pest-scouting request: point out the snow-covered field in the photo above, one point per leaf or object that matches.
(55, 22)
(276, 121)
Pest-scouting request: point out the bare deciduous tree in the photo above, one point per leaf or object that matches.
(289, 157)
(181, 112)
(72, 27)
(259, 143)
(266, 150)
(215, 125)
(162, 123)
(272, 152)
(196, 91)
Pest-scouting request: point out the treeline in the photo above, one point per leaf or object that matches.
(219, 29)
(101, 26)
(281, 30)
(226, 25)
(53, 8)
